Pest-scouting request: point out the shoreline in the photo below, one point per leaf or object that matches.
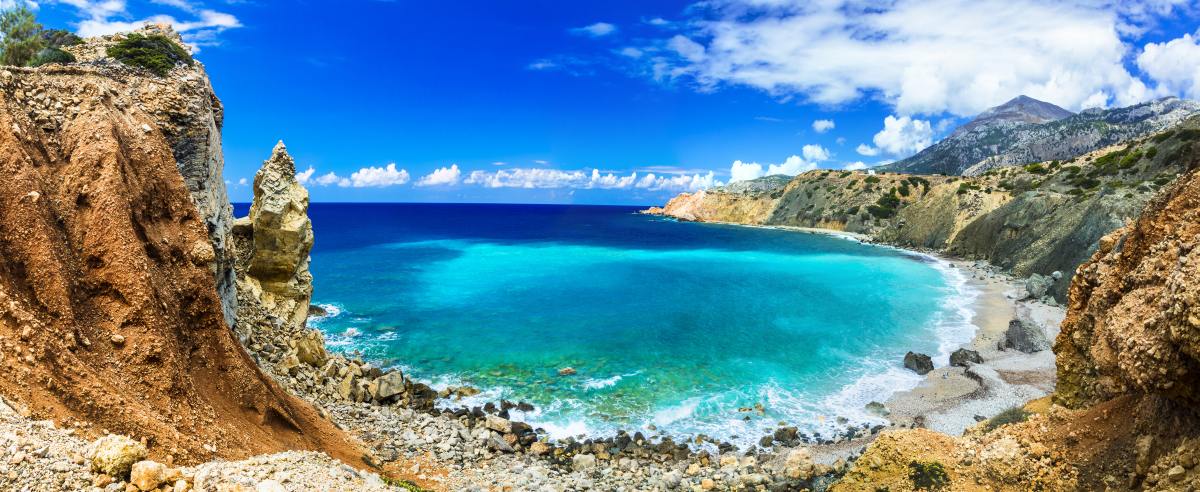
(951, 399)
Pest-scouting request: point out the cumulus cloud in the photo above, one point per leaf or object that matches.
(596, 30)
(822, 126)
(375, 177)
(856, 166)
(243, 182)
(330, 178)
(742, 171)
(1174, 65)
(867, 150)
(918, 56)
(200, 27)
(442, 176)
(903, 135)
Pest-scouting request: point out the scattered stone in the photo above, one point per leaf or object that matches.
(877, 409)
(583, 462)
(147, 475)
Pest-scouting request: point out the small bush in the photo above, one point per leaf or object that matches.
(881, 212)
(1010, 416)
(1036, 168)
(52, 55)
(58, 38)
(852, 210)
(1164, 136)
(964, 188)
(872, 179)
(155, 53)
(1189, 134)
(928, 475)
(1151, 152)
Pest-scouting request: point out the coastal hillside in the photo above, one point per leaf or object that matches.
(1035, 219)
(113, 277)
(1024, 131)
(1127, 381)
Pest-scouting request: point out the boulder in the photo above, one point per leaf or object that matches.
(918, 363)
(1025, 336)
(498, 424)
(539, 448)
(390, 384)
(962, 357)
(115, 455)
(583, 462)
(1037, 286)
(147, 475)
(282, 238)
(310, 348)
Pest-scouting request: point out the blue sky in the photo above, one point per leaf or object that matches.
(632, 102)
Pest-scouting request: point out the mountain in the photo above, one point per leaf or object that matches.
(1026, 130)
(1020, 110)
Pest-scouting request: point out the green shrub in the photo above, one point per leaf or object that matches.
(965, 187)
(51, 55)
(1036, 168)
(845, 173)
(155, 53)
(1130, 159)
(1151, 152)
(1162, 137)
(1011, 415)
(881, 212)
(1189, 134)
(872, 179)
(928, 475)
(904, 191)
(852, 210)
(889, 201)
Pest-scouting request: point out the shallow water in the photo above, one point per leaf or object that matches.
(666, 323)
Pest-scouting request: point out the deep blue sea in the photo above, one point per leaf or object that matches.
(671, 324)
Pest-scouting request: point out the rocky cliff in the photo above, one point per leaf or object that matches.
(110, 317)
(184, 108)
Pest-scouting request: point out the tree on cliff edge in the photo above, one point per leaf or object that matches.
(22, 39)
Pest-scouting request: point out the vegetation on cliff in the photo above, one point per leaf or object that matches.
(153, 52)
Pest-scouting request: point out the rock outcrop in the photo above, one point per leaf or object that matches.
(110, 316)
(1134, 319)
(280, 237)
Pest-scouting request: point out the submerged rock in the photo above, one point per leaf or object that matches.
(918, 363)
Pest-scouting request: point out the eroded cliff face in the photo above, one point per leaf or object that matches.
(184, 108)
(1134, 319)
(109, 313)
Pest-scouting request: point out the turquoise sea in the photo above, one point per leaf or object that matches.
(668, 324)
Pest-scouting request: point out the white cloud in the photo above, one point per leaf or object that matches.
(815, 152)
(596, 30)
(305, 175)
(903, 135)
(327, 179)
(856, 166)
(822, 126)
(1174, 65)
(867, 150)
(442, 176)
(375, 177)
(919, 56)
(243, 182)
(531, 178)
(742, 171)
(631, 52)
